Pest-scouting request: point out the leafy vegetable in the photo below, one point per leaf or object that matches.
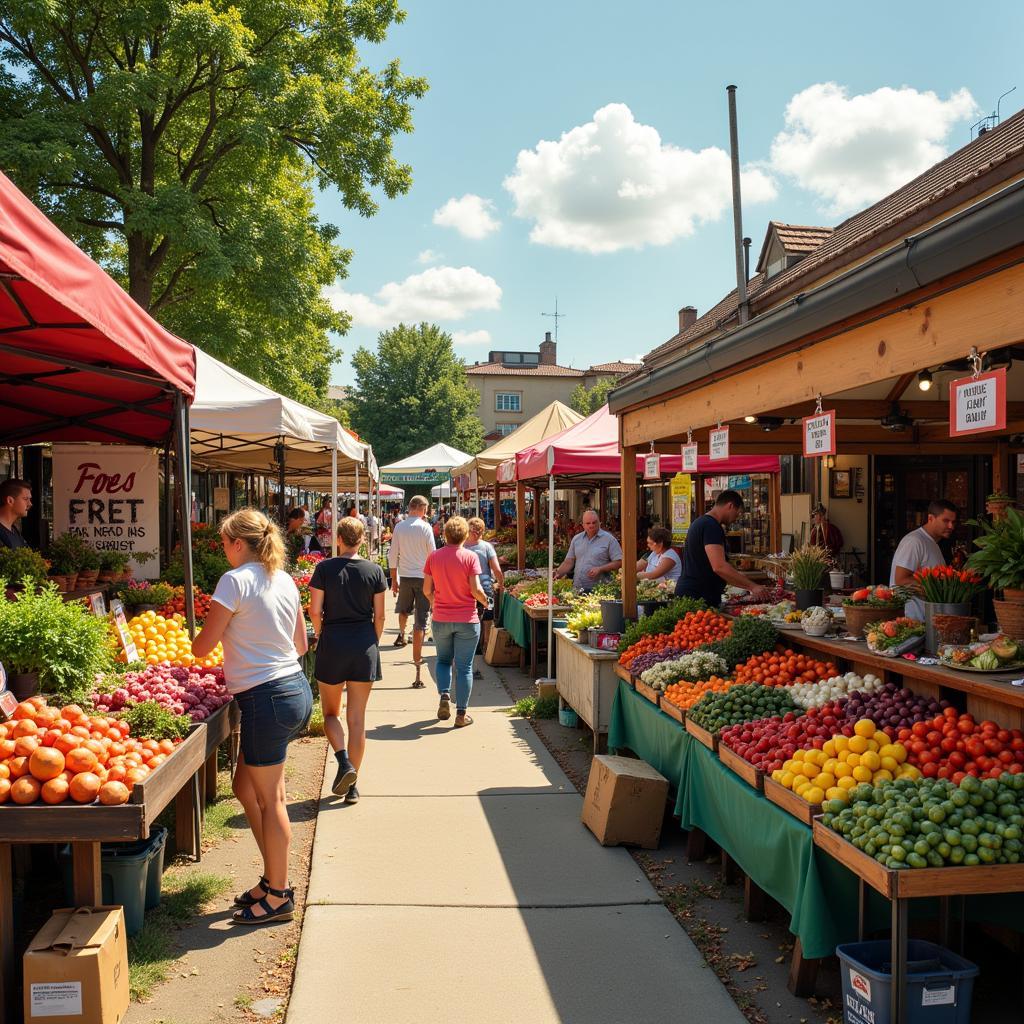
(150, 720)
(750, 636)
(662, 621)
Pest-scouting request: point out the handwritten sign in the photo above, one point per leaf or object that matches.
(977, 404)
(820, 434)
(689, 452)
(681, 490)
(109, 496)
(652, 467)
(719, 448)
(131, 652)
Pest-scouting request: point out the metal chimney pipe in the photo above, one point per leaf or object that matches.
(743, 312)
(746, 258)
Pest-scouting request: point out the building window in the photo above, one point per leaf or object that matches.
(505, 428)
(508, 401)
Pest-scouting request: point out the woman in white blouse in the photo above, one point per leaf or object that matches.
(663, 563)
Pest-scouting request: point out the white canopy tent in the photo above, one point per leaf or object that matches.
(430, 466)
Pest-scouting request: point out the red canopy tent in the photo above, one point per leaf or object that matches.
(82, 361)
(590, 448)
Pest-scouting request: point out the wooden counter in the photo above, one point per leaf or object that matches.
(587, 682)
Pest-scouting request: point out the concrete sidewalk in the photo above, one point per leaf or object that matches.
(463, 888)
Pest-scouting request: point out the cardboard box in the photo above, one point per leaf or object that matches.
(625, 802)
(546, 688)
(501, 648)
(76, 968)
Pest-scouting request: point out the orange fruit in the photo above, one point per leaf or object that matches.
(113, 793)
(24, 727)
(55, 791)
(5, 790)
(24, 711)
(46, 763)
(84, 787)
(25, 745)
(26, 790)
(81, 759)
(18, 766)
(65, 743)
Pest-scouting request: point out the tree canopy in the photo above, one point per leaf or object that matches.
(179, 144)
(412, 393)
(588, 400)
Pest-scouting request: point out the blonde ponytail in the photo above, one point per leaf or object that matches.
(262, 535)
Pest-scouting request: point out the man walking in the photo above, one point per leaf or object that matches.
(592, 555)
(411, 543)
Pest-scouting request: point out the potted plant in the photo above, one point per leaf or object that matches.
(18, 565)
(872, 605)
(997, 503)
(113, 565)
(1000, 561)
(68, 556)
(807, 567)
(946, 591)
(88, 567)
(53, 645)
(145, 597)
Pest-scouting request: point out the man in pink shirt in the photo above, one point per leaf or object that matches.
(451, 582)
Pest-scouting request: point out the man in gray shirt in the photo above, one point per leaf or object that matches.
(920, 550)
(411, 544)
(592, 555)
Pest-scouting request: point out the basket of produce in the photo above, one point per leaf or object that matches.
(871, 604)
(816, 621)
(893, 637)
(953, 629)
(999, 655)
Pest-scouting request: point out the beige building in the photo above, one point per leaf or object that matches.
(513, 386)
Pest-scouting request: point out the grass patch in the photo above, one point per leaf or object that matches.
(222, 810)
(243, 1001)
(316, 721)
(152, 952)
(535, 707)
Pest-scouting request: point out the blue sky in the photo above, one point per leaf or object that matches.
(837, 106)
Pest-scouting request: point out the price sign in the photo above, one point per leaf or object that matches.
(8, 702)
(689, 458)
(681, 490)
(98, 605)
(121, 624)
(652, 467)
(719, 448)
(977, 404)
(820, 434)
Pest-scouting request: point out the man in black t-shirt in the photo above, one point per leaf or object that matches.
(706, 570)
(15, 502)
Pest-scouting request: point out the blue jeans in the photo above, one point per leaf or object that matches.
(455, 643)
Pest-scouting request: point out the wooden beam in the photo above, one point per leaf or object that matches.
(902, 383)
(775, 511)
(941, 328)
(628, 519)
(520, 525)
(86, 884)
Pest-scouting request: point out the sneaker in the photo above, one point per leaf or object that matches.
(399, 640)
(345, 779)
(444, 708)
(352, 796)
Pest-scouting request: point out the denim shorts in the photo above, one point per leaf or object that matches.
(273, 714)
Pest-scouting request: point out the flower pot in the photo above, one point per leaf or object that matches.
(1013, 596)
(837, 580)
(612, 617)
(996, 507)
(859, 617)
(23, 684)
(1010, 616)
(808, 599)
(88, 578)
(931, 608)
(140, 608)
(106, 576)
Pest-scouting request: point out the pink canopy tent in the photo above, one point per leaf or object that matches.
(591, 448)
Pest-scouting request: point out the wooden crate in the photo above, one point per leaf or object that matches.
(909, 883)
(710, 740)
(744, 769)
(653, 695)
(790, 802)
(625, 675)
(673, 710)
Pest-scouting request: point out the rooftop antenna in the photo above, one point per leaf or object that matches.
(990, 121)
(556, 316)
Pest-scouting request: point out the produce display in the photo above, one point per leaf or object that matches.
(691, 668)
(934, 822)
(715, 711)
(892, 708)
(197, 692)
(748, 638)
(783, 668)
(843, 762)
(893, 634)
(176, 605)
(655, 590)
(694, 629)
(987, 656)
(163, 641)
(812, 695)
(55, 755)
(815, 620)
(952, 745)
(662, 621)
(767, 743)
(685, 695)
(877, 596)
(642, 662)
(542, 601)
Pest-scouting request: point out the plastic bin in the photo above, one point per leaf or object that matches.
(131, 874)
(566, 716)
(939, 983)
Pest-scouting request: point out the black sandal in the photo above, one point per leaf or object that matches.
(246, 899)
(285, 912)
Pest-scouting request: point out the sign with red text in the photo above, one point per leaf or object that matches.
(820, 434)
(652, 467)
(110, 496)
(977, 404)
(719, 446)
(689, 452)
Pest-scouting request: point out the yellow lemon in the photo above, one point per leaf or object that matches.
(865, 727)
(853, 760)
(871, 760)
(829, 748)
(884, 739)
(826, 780)
(882, 775)
(786, 778)
(862, 774)
(843, 771)
(836, 793)
(847, 782)
(814, 794)
(858, 744)
(900, 752)
(842, 743)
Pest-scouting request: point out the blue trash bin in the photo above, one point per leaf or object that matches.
(939, 983)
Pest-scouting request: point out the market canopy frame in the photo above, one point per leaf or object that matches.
(433, 465)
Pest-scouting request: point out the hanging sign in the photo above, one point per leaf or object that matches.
(681, 491)
(652, 466)
(977, 404)
(820, 434)
(719, 448)
(131, 653)
(108, 494)
(690, 457)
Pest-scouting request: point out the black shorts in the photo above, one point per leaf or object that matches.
(348, 653)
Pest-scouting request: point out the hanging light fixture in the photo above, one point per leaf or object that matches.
(749, 419)
(924, 380)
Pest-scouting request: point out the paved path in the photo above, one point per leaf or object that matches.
(463, 888)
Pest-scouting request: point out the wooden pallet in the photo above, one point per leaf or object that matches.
(673, 710)
(790, 802)
(744, 769)
(710, 740)
(653, 695)
(624, 674)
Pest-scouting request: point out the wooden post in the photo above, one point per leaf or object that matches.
(86, 884)
(775, 511)
(602, 500)
(520, 525)
(1001, 468)
(537, 491)
(628, 517)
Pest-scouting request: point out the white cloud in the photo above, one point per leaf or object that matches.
(428, 256)
(852, 150)
(470, 216)
(471, 337)
(613, 184)
(438, 294)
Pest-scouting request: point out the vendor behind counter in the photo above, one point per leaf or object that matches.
(15, 503)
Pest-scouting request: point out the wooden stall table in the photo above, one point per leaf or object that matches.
(86, 828)
(221, 727)
(587, 682)
(537, 617)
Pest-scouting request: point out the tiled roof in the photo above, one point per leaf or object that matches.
(618, 367)
(883, 222)
(541, 370)
(800, 237)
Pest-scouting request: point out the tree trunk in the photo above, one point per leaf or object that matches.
(140, 277)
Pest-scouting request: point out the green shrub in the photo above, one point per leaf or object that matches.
(21, 564)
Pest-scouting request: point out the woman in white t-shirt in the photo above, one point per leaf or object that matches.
(256, 614)
(662, 563)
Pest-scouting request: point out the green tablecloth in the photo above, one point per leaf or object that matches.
(515, 620)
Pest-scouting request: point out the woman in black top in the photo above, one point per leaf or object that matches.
(346, 607)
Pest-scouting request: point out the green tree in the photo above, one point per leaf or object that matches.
(413, 393)
(179, 143)
(588, 400)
